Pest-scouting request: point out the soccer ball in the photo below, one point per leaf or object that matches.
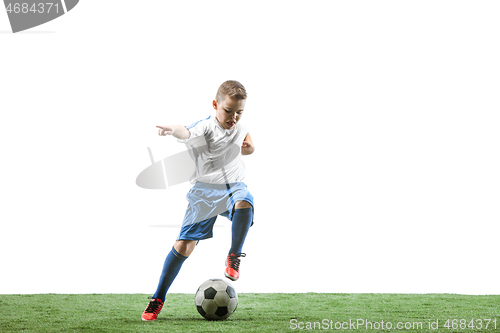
(216, 299)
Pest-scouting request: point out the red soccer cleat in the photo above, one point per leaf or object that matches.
(153, 309)
(233, 266)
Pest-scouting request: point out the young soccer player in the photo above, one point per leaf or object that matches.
(216, 145)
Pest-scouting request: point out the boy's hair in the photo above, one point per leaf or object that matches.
(231, 88)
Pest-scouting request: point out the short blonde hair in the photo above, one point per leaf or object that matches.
(231, 88)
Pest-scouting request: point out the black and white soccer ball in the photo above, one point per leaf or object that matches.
(216, 299)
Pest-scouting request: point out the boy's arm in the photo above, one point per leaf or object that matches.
(178, 131)
(247, 147)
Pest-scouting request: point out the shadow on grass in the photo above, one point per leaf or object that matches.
(201, 320)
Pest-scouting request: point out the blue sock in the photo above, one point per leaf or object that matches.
(171, 268)
(242, 220)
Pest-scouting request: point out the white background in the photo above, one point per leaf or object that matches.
(376, 125)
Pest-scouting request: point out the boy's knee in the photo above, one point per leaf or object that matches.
(185, 247)
(242, 204)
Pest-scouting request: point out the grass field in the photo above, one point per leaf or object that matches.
(255, 313)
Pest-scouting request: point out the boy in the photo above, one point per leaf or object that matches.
(216, 145)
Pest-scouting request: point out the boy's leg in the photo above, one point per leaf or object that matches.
(173, 263)
(242, 220)
(185, 247)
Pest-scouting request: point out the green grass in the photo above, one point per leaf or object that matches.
(255, 313)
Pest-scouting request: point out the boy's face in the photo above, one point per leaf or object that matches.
(229, 111)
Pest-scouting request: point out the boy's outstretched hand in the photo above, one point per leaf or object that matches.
(177, 131)
(165, 130)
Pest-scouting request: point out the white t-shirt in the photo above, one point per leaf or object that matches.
(216, 152)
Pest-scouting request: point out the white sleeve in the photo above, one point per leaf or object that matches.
(243, 132)
(196, 129)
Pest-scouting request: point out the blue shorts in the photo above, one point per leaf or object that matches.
(206, 202)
